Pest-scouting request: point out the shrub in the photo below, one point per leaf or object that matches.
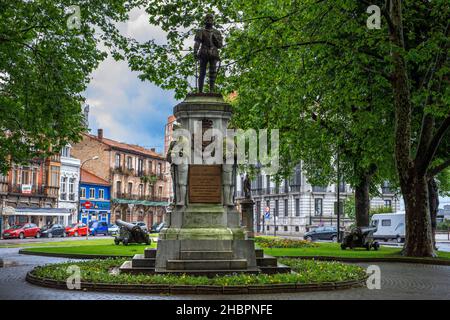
(276, 242)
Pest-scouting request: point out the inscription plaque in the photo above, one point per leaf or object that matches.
(205, 183)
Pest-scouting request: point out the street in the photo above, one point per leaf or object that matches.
(398, 281)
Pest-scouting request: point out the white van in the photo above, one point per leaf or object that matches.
(389, 226)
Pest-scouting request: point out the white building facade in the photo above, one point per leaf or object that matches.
(295, 206)
(69, 182)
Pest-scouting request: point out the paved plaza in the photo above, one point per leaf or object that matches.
(398, 281)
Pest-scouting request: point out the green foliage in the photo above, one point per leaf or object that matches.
(380, 210)
(277, 242)
(443, 226)
(349, 207)
(45, 68)
(308, 272)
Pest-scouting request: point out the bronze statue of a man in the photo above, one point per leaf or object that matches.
(208, 41)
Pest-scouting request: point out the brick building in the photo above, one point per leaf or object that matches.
(137, 176)
(29, 193)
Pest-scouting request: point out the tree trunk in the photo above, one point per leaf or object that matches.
(434, 204)
(419, 241)
(362, 201)
(413, 181)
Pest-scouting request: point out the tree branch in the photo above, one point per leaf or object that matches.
(434, 144)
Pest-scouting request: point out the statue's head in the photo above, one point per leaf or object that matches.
(209, 20)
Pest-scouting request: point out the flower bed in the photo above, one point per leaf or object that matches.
(275, 242)
(307, 271)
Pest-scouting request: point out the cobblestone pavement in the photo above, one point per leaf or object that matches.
(399, 281)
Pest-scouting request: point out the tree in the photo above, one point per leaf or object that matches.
(317, 61)
(45, 66)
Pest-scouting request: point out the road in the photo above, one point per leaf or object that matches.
(398, 281)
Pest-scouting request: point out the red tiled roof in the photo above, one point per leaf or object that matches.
(89, 177)
(126, 146)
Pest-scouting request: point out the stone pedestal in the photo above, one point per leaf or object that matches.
(204, 236)
(247, 216)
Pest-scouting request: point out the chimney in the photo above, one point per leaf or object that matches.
(100, 134)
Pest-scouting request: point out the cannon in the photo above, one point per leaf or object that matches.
(130, 233)
(360, 237)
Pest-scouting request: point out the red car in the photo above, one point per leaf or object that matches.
(76, 229)
(22, 231)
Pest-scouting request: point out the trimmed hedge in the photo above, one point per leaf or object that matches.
(276, 242)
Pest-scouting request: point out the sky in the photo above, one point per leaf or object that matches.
(127, 109)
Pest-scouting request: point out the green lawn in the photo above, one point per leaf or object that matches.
(334, 250)
(107, 247)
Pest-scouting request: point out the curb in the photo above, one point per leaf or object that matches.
(439, 262)
(201, 290)
(70, 255)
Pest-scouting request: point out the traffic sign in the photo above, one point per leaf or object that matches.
(87, 205)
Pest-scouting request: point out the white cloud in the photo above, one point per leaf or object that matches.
(128, 109)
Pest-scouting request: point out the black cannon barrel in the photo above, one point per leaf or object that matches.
(126, 225)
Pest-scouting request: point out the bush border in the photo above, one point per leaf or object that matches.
(200, 289)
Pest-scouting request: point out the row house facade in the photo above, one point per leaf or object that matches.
(294, 206)
(137, 177)
(69, 184)
(29, 193)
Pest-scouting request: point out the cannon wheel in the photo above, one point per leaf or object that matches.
(343, 247)
(376, 246)
(116, 241)
(125, 242)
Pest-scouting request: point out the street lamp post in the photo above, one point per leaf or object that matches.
(79, 195)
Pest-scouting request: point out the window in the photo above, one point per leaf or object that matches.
(130, 188)
(267, 184)
(63, 187)
(140, 167)
(26, 176)
(268, 228)
(119, 187)
(129, 163)
(101, 193)
(297, 229)
(386, 223)
(83, 192)
(160, 192)
(54, 176)
(150, 166)
(92, 193)
(117, 160)
(318, 207)
(285, 228)
(276, 207)
(65, 152)
(71, 189)
(297, 207)
(141, 190)
(276, 228)
(159, 170)
(286, 207)
(388, 203)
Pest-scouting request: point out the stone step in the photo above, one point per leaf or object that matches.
(139, 260)
(206, 255)
(259, 253)
(280, 268)
(127, 268)
(150, 253)
(266, 261)
(236, 264)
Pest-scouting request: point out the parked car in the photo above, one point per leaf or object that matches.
(321, 233)
(141, 224)
(53, 230)
(389, 226)
(156, 228)
(76, 230)
(22, 231)
(98, 227)
(113, 229)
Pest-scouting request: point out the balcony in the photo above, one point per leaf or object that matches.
(130, 196)
(319, 189)
(40, 191)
